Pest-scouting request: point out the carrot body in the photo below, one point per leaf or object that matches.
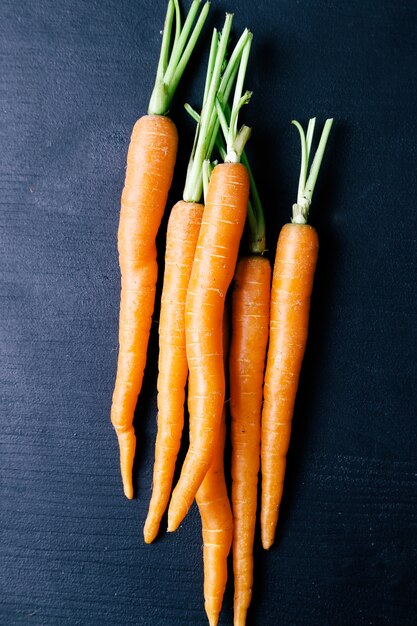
(217, 526)
(292, 283)
(250, 326)
(214, 264)
(182, 234)
(150, 168)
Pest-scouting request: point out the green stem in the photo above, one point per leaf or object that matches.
(236, 140)
(257, 223)
(171, 67)
(306, 185)
(194, 181)
(256, 219)
(226, 84)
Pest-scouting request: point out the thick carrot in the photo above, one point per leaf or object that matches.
(213, 268)
(292, 284)
(183, 229)
(250, 317)
(150, 166)
(151, 159)
(217, 521)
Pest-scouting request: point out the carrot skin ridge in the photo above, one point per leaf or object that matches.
(150, 167)
(213, 268)
(292, 283)
(182, 234)
(250, 328)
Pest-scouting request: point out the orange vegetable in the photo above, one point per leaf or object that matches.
(150, 166)
(292, 284)
(217, 521)
(213, 268)
(182, 234)
(250, 317)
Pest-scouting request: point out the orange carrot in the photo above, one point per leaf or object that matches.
(250, 317)
(183, 229)
(150, 166)
(217, 521)
(292, 285)
(213, 268)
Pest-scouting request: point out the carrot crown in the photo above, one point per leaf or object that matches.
(235, 139)
(306, 184)
(217, 84)
(171, 66)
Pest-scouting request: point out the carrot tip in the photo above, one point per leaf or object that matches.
(267, 543)
(213, 619)
(239, 616)
(149, 532)
(128, 491)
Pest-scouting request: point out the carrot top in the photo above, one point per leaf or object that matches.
(171, 66)
(219, 82)
(306, 184)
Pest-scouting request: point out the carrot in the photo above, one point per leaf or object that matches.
(183, 229)
(213, 268)
(292, 285)
(250, 327)
(150, 166)
(216, 519)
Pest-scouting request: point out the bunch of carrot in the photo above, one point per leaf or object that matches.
(201, 263)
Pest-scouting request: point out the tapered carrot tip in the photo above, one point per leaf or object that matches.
(267, 537)
(175, 514)
(239, 617)
(127, 445)
(150, 530)
(213, 619)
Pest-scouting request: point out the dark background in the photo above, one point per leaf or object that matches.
(75, 76)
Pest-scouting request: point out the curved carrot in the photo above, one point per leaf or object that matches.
(250, 318)
(149, 173)
(182, 234)
(292, 284)
(213, 268)
(217, 522)
(183, 228)
(150, 166)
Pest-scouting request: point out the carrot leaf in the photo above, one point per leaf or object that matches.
(235, 139)
(306, 184)
(171, 66)
(201, 149)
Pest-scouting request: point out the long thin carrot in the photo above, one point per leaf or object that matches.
(292, 285)
(250, 328)
(150, 166)
(183, 229)
(213, 269)
(216, 519)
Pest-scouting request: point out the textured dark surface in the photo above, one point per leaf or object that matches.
(74, 77)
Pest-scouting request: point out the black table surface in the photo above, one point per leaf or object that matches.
(75, 76)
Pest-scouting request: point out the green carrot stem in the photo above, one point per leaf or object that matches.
(236, 140)
(194, 181)
(306, 184)
(256, 219)
(171, 66)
